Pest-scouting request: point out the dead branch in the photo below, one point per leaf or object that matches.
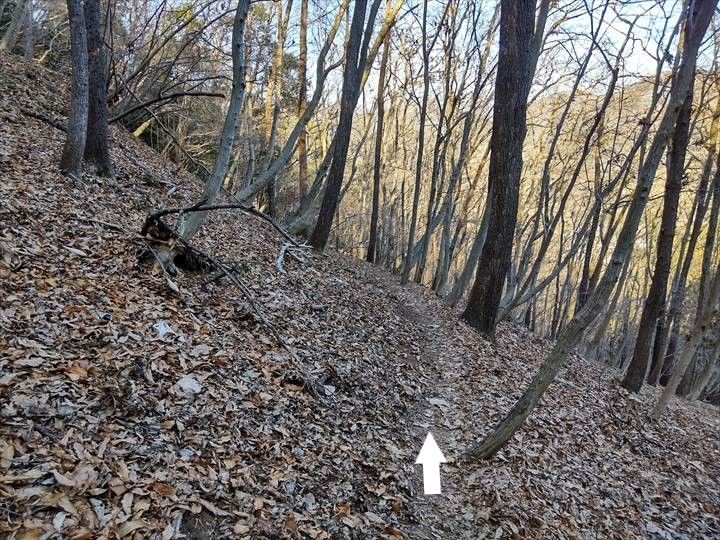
(154, 219)
(156, 225)
(57, 124)
(307, 379)
(288, 249)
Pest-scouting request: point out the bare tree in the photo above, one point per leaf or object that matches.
(703, 323)
(635, 375)
(512, 87)
(355, 59)
(302, 101)
(97, 151)
(372, 248)
(697, 18)
(191, 225)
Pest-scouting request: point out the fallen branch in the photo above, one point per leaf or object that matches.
(288, 249)
(159, 230)
(306, 378)
(57, 124)
(159, 98)
(223, 270)
(155, 217)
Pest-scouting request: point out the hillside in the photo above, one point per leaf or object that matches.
(138, 405)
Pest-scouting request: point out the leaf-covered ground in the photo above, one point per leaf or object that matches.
(137, 406)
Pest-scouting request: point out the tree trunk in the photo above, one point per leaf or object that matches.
(697, 21)
(354, 65)
(706, 374)
(97, 152)
(512, 86)
(10, 37)
(28, 36)
(687, 383)
(702, 325)
(302, 101)
(192, 223)
(468, 270)
(72, 153)
(635, 375)
(666, 345)
(372, 254)
(405, 275)
(584, 286)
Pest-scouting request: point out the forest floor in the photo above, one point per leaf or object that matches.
(135, 404)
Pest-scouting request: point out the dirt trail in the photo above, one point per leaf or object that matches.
(450, 514)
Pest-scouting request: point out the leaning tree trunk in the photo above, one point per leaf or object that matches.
(702, 326)
(72, 153)
(10, 37)
(97, 152)
(652, 310)
(191, 225)
(512, 86)
(355, 58)
(686, 385)
(706, 374)
(667, 341)
(461, 284)
(697, 21)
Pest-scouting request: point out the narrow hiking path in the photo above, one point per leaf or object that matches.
(451, 514)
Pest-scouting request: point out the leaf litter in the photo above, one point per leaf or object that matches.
(136, 406)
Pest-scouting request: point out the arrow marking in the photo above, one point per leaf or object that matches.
(430, 457)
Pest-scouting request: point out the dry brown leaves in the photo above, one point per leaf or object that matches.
(132, 408)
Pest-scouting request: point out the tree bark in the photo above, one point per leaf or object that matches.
(354, 66)
(667, 341)
(28, 32)
(706, 375)
(72, 153)
(687, 383)
(512, 87)
(405, 275)
(192, 223)
(652, 309)
(302, 101)
(97, 151)
(10, 37)
(702, 325)
(372, 248)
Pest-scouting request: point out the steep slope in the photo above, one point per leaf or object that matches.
(133, 404)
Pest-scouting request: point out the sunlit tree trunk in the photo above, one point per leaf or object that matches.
(355, 59)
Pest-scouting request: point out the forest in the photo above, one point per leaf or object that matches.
(255, 253)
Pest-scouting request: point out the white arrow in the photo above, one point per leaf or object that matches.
(430, 457)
